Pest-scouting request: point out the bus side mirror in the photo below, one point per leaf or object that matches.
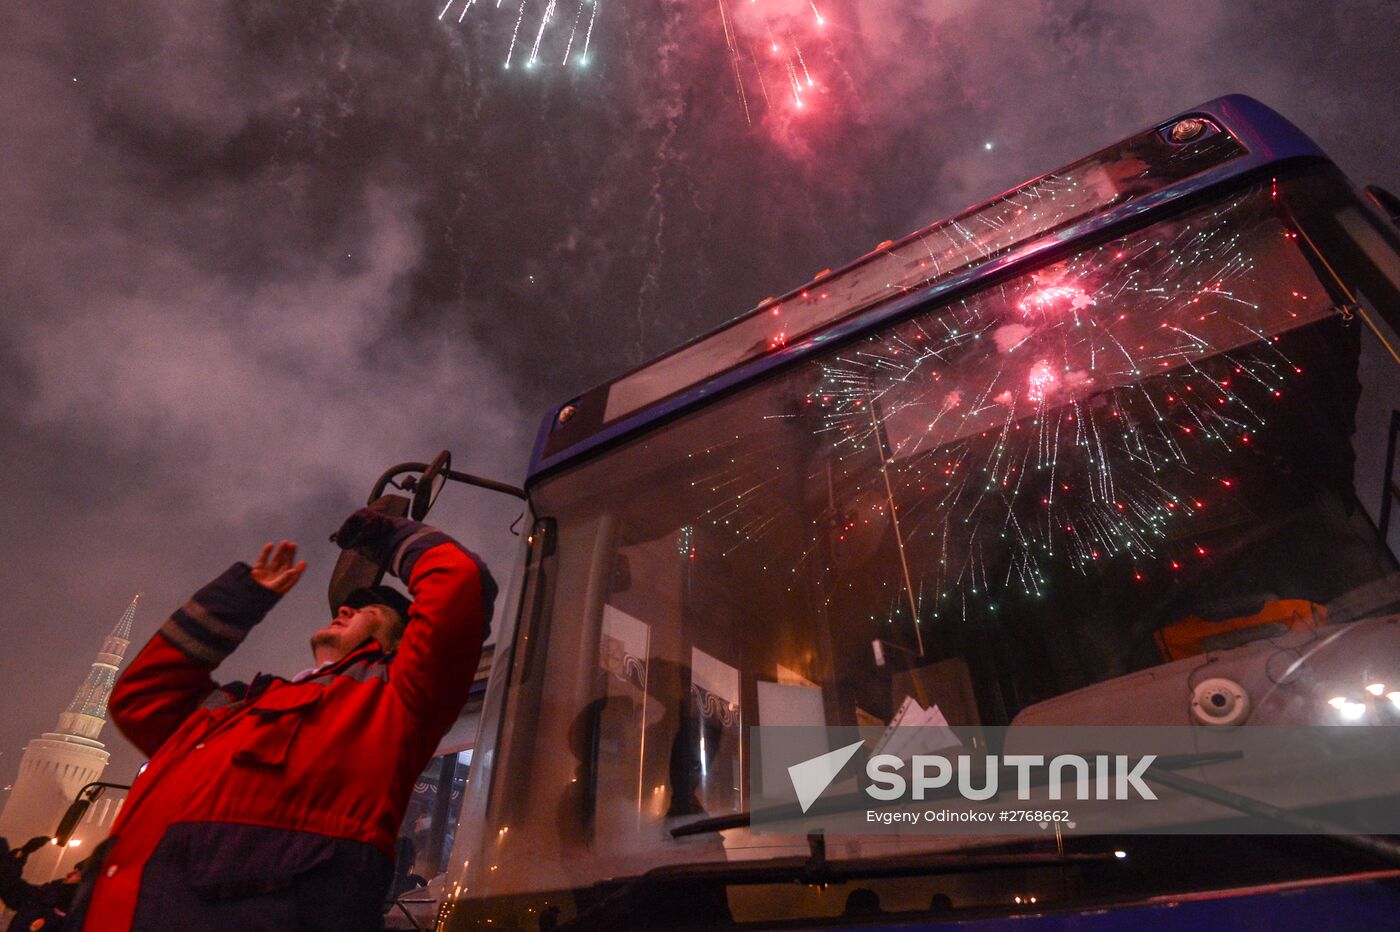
(74, 814)
(69, 822)
(427, 486)
(353, 570)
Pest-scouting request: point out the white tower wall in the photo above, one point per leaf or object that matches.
(58, 764)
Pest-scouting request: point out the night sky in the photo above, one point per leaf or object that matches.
(251, 253)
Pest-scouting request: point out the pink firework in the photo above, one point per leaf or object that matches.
(789, 29)
(1040, 382)
(1054, 298)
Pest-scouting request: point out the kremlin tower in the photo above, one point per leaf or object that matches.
(58, 764)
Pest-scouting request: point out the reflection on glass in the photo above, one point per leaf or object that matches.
(1049, 501)
(426, 835)
(1110, 178)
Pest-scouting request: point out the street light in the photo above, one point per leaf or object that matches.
(58, 864)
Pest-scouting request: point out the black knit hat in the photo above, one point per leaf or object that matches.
(379, 595)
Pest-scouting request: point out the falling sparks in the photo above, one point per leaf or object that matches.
(792, 79)
(539, 36)
(1039, 382)
(515, 33)
(1054, 298)
(801, 61)
(1093, 415)
(578, 14)
(588, 36)
(783, 35)
(1122, 415)
(732, 44)
(549, 15)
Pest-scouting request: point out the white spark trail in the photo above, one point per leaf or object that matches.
(802, 61)
(733, 45)
(589, 34)
(762, 84)
(513, 35)
(572, 32)
(539, 36)
(792, 78)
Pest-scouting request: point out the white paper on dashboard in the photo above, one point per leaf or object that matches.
(916, 730)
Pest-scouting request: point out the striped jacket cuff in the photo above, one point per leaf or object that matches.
(209, 626)
(410, 541)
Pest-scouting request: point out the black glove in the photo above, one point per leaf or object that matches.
(368, 532)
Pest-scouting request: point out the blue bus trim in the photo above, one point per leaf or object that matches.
(1268, 137)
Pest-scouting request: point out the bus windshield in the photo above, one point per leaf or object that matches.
(1154, 450)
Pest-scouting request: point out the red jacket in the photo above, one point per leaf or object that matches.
(335, 754)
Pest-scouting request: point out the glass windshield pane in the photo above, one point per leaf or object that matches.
(1115, 176)
(1049, 501)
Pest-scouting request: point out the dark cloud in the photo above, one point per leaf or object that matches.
(212, 240)
(253, 252)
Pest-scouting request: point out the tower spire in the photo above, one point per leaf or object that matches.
(58, 763)
(87, 713)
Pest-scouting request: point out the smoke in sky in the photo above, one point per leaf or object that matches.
(208, 341)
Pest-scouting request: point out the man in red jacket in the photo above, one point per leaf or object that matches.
(275, 804)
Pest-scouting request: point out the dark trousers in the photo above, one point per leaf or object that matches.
(224, 877)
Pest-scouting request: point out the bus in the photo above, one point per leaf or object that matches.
(1116, 447)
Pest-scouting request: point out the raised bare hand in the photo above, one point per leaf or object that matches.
(277, 569)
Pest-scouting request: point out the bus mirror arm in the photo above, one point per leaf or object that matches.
(74, 814)
(413, 483)
(354, 570)
(482, 483)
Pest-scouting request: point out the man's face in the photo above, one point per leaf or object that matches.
(351, 627)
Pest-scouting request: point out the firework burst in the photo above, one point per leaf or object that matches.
(549, 20)
(780, 27)
(1101, 415)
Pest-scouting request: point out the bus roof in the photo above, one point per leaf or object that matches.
(1208, 145)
